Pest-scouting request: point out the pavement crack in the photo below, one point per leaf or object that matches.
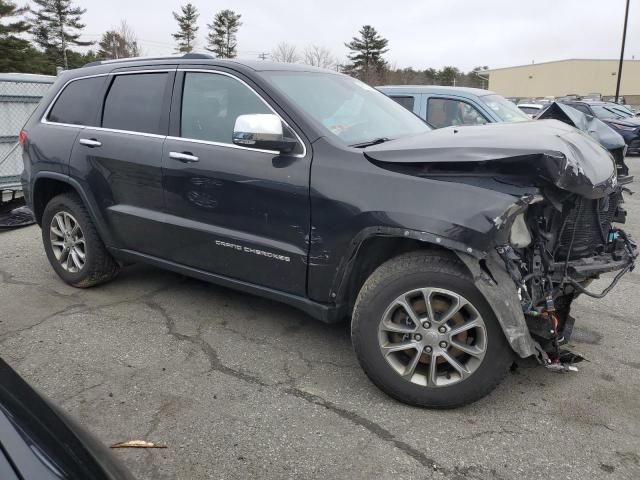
(215, 363)
(66, 310)
(81, 392)
(372, 427)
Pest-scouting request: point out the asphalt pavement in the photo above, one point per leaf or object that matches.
(239, 387)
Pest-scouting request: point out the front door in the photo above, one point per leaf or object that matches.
(234, 211)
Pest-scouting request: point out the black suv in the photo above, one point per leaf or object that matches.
(452, 251)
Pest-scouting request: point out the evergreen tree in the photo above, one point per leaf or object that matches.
(222, 34)
(366, 53)
(57, 26)
(14, 51)
(187, 28)
(448, 76)
(118, 43)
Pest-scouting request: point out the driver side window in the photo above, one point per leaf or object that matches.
(211, 103)
(445, 112)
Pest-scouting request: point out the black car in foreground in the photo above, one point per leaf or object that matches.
(39, 442)
(453, 251)
(618, 117)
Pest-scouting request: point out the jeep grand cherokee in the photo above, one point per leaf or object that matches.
(452, 251)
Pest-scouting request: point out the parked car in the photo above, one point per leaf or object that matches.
(618, 117)
(453, 251)
(447, 106)
(40, 442)
(532, 109)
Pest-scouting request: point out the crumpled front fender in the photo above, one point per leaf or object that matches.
(501, 294)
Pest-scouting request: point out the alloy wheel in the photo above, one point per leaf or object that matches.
(67, 242)
(432, 337)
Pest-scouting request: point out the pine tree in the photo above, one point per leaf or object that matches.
(111, 46)
(187, 28)
(14, 51)
(222, 34)
(57, 26)
(366, 59)
(118, 43)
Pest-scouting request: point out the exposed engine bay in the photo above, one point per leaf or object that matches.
(557, 247)
(557, 233)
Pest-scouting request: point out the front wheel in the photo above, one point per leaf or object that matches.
(425, 335)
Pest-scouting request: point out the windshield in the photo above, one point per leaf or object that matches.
(607, 113)
(622, 110)
(506, 110)
(350, 110)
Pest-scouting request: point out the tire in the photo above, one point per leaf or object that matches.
(98, 266)
(443, 280)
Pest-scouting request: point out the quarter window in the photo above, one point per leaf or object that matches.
(445, 112)
(77, 104)
(406, 102)
(135, 103)
(211, 103)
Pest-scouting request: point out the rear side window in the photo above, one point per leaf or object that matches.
(78, 102)
(406, 102)
(211, 103)
(135, 102)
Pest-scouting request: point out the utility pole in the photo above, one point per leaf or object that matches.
(624, 38)
(263, 55)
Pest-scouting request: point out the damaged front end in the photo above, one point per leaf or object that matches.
(558, 242)
(556, 235)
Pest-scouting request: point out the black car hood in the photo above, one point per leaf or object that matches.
(548, 149)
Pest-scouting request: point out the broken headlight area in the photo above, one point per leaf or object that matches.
(556, 246)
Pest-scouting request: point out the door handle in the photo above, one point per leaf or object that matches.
(90, 142)
(185, 157)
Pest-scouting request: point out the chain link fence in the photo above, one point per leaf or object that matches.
(19, 96)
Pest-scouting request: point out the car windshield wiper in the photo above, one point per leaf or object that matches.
(369, 143)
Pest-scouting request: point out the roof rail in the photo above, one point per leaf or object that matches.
(186, 56)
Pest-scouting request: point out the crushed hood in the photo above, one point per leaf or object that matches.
(554, 151)
(596, 128)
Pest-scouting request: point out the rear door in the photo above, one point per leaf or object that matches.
(232, 210)
(119, 161)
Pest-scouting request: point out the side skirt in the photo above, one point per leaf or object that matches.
(319, 311)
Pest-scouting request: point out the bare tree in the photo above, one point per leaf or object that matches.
(318, 56)
(130, 38)
(285, 52)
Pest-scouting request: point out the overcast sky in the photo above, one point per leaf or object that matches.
(421, 33)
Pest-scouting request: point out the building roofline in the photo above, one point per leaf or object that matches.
(561, 61)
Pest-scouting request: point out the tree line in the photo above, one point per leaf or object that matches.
(45, 35)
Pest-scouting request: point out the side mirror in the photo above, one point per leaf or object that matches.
(264, 131)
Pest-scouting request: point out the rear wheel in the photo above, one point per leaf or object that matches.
(425, 335)
(72, 243)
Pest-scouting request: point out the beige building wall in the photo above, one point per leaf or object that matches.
(565, 77)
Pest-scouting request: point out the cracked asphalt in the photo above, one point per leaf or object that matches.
(240, 387)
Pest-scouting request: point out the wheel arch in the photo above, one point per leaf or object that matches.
(375, 245)
(47, 185)
(372, 247)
